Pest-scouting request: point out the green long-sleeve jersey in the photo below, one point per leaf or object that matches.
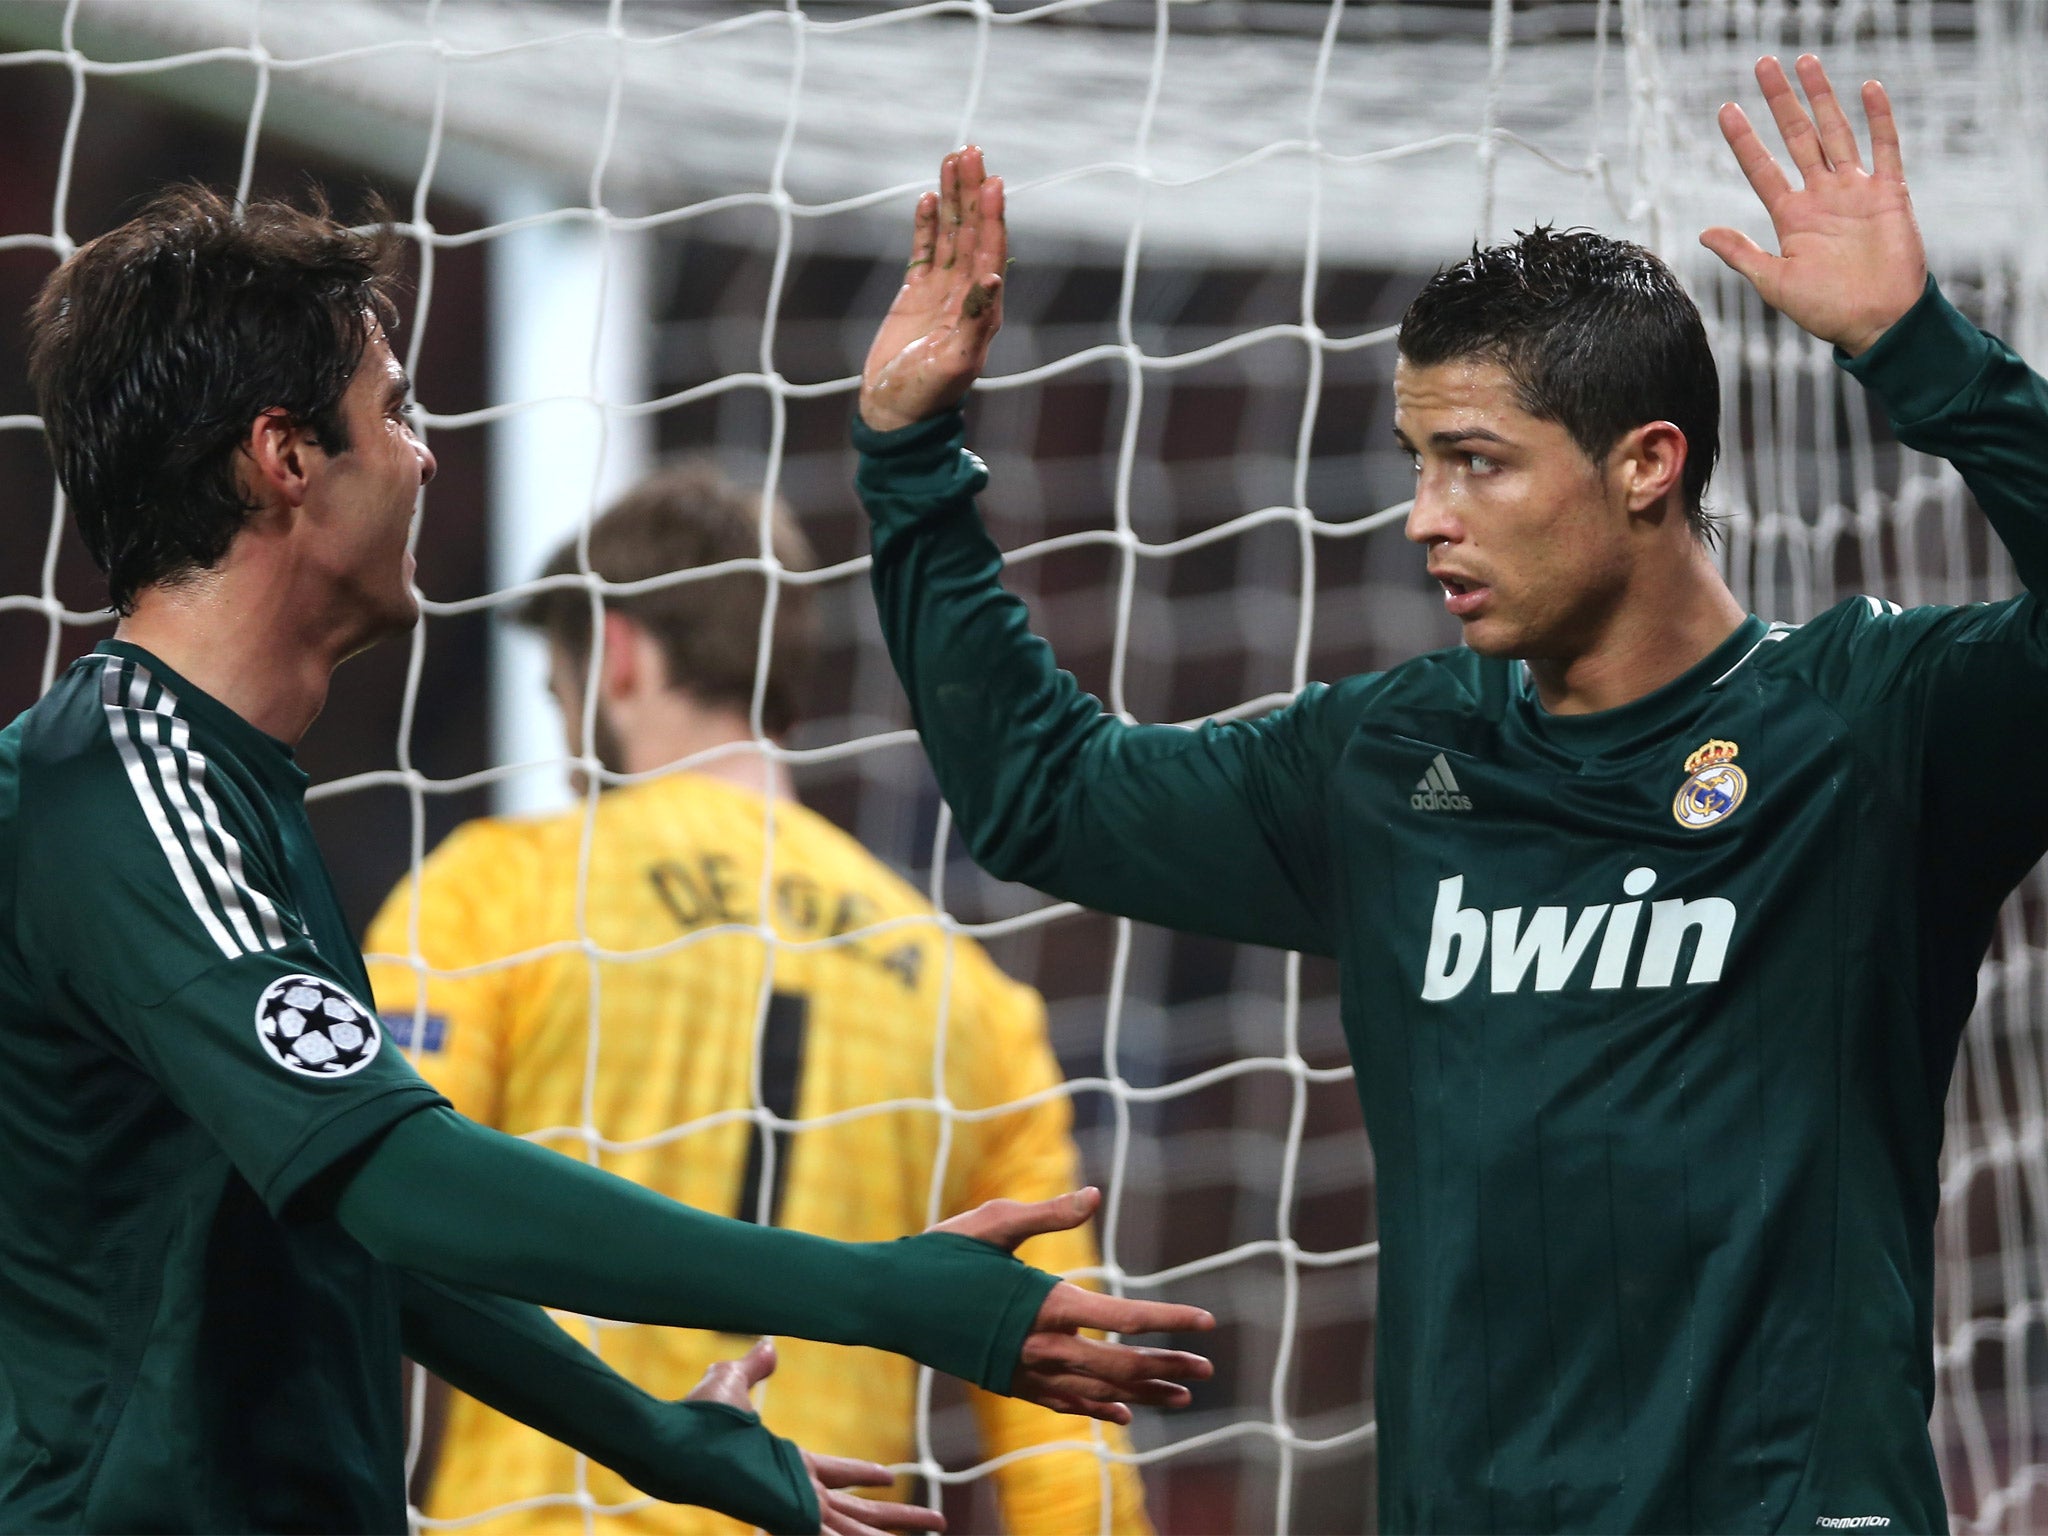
(224, 1204)
(1653, 1010)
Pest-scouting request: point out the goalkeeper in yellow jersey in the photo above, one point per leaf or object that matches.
(861, 1000)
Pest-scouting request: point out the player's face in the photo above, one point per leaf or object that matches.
(1524, 533)
(366, 496)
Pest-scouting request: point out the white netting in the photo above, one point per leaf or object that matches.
(1219, 211)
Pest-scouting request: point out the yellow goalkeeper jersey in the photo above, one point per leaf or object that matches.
(620, 1019)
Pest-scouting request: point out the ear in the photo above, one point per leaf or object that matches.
(1648, 464)
(277, 459)
(631, 659)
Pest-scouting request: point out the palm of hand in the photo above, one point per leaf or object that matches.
(919, 356)
(935, 339)
(1849, 250)
(1850, 259)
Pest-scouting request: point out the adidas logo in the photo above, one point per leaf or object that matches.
(1437, 789)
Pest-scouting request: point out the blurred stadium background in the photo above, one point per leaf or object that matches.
(641, 227)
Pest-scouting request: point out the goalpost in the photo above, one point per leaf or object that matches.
(1218, 209)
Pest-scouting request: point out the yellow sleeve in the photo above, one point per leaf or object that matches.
(1030, 1155)
(454, 1027)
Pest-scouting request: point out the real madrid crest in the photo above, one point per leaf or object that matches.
(1713, 786)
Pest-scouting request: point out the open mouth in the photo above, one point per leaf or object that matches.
(1462, 596)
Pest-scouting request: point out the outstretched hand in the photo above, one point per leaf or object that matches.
(935, 340)
(1061, 1370)
(732, 1382)
(1850, 259)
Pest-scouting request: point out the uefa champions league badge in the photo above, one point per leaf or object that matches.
(1713, 786)
(310, 1026)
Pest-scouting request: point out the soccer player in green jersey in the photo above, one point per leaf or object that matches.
(227, 1205)
(1657, 922)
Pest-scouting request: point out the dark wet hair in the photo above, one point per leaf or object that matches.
(155, 346)
(1596, 335)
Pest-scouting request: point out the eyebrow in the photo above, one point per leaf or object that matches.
(1449, 439)
(401, 387)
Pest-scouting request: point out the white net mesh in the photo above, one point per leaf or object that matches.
(1219, 211)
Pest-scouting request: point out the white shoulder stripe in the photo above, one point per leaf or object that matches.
(153, 811)
(1778, 631)
(237, 897)
(152, 728)
(266, 910)
(193, 766)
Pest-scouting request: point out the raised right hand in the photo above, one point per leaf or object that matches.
(1850, 260)
(935, 340)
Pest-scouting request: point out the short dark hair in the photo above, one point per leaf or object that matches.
(1596, 334)
(684, 516)
(156, 345)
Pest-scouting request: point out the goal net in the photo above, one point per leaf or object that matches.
(1218, 212)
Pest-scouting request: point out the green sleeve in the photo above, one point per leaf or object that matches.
(1951, 390)
(1957, 698)
(223, 1000)
(1219, 830)
(446, 1197)
(512, 1356)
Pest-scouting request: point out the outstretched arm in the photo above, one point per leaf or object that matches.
(732, 1382)
(709, 1449)
(444, 1197)
(510, 1355)
(1220, 830)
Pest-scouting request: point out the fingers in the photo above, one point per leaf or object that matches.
(846, 1515)
(1069, 1393)
(1802, 139)
(1129, 1368)
(1069, 1307)
(1739, 251)
(1073, 1374)
(992, 252)
(1885, 160)
(1071, 1387)
(1837, 138)
(886, 1515)
(1759, 168)
(971, 174)
(732, 1381)
(758, 1363)
(1079, 1407)
(981, 217)
(924, 234)
(981, 252)
(995, 228)
(1006, 1223)
(847, 1472)
(948, 241)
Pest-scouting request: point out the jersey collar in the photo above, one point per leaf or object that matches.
(258, 751)
(1605, 730)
